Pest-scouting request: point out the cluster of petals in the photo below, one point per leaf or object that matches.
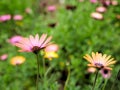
(33, 44)
(105, 73)
(93, 1)
(28, 10)
(4, 57)
(97, 15)
(4, 18)
(101, 9)
(100, 61)
(51, 8)
(17, 60)
(50, 55)
(17, 17)
(8, 17)
(15, 39)
(50, 51)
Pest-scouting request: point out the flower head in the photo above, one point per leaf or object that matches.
(100, 61)
(4, 57)
(52, 48)
(15, 39)
(50, 55)
(17, 17)
(4, 18)
(97, 15)
(93, 1)
(101, 9)
(51, 8)
(17, 60)
(91, 69)
(34, 44)
(51, 51)
(105, 73)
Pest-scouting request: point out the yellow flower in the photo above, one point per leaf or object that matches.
(50, 55)
(17, 60)
(100, 61)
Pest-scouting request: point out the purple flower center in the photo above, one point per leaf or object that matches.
(105, 71)
(36, 49)
(99, 65)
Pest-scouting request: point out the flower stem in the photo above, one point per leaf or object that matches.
(95, 80)
(66, 82)
(38, 66)
(44, 76)
(103, 88)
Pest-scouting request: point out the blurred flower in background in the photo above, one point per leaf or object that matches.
(17, 60)
(91, 69)
(50, 55)
(114, 2)
(105, 73)
(4, 57)
(100, 61)
(28, 10)
(93, 1)
(15, 39)
(52, 48)
(97, 16)
(17, 17)
(51, 8)
(4, 18)
(101, 9)
(51, 51)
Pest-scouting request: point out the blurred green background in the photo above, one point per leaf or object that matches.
(74, 31)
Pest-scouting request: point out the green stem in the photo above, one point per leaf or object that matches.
(66, 82)
(104, 84)
(95, 80)
(44, 76)
(48, 70)
(38, 66)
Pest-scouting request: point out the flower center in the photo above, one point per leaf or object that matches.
(99, 65)
(36, 49)
(105, 71)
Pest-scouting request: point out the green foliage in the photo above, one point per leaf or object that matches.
(75, 32)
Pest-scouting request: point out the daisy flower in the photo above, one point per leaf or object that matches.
(105, 73)
(50, 55)
(17, 60)
(34, 44)
(100, 61)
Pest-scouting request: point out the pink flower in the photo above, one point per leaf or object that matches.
(81, 0)
(3, 57)
(101, 9)
(15, 39)
(4, 18)
(34, 44)
(28, 10)
(105, 2)
(105, 73)
(51, 8)
(17, 17)
(93, 1)
(52, 48)
(114, 2)
(97, 15)
(91, 69)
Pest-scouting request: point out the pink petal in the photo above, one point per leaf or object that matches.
(46, 42)
(37, 40)
(32, 40)
(42, 39)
